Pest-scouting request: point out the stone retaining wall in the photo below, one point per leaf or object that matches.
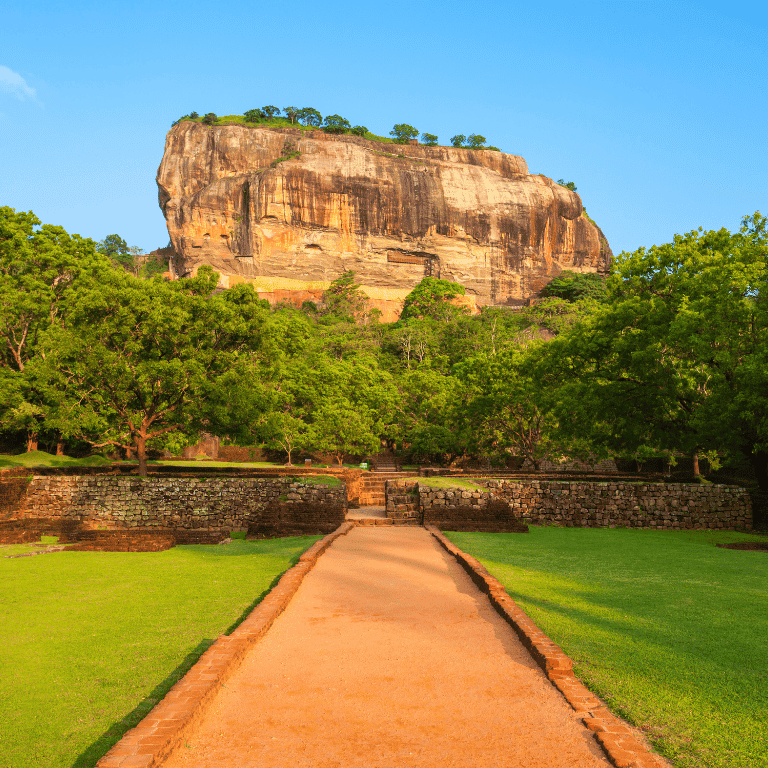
(499, 505)
(263, 506)
(631, 505)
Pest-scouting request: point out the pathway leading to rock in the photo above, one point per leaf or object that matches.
(389, 656)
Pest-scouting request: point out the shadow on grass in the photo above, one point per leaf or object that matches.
(116, 731)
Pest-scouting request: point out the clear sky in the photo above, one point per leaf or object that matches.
(658, 111)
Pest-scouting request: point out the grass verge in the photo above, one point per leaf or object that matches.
(448, 483)
(91, 641)
(667, 628)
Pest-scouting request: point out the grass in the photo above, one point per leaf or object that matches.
(449, 483)
(91, 641)
(667, 628)
(43, 459)
(8, 550)
(327, 480)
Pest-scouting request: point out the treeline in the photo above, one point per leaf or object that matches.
(667, 357)
(309, 117)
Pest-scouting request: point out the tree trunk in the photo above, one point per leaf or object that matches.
(141, 454)
(31, 441)
(59, 447)
(695, 458)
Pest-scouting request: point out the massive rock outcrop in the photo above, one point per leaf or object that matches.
(291, 210)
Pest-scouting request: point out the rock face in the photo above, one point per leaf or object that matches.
(291, 210)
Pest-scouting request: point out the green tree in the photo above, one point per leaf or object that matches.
(403, 133)
(359, 130)
(576, 286)
(568, 184)
(39, 267)
(458, 140)
(672, 362)
(336, 124)
(291, 113)
(429, 139)
(253, 116)
(270, 111)
(310, 116)
(138, 359)
(210, 118)
(476, 141)
(345, 300)
(431, 298)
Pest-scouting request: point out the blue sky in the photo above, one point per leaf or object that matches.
(656, 110)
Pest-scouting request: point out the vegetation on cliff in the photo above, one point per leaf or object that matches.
(668, 358)
(309, 119)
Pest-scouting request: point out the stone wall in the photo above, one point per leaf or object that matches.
(631, 505)
(266, 506)
(507, 503)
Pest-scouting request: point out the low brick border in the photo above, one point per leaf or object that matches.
(171, 722)
(617, 739)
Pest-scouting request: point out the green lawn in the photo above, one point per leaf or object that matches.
(667, 628)
(90, 641)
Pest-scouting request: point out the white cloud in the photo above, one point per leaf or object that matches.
(11, 82)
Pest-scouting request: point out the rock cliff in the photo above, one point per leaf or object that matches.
(291, 210)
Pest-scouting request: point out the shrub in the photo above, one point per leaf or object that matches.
(210, 118)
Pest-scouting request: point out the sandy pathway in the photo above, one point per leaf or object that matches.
(389, 656)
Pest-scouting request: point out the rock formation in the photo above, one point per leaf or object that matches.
(291, 210)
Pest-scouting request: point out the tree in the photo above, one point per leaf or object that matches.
(39, 267)
(345, 300)
(506, 406)
(575, 286)
(431, 298)
(139, 359)
(475, 141)
(569, 184)
(673, 361)
(429, 139)
(291, 113)
(210, 118)
(310, 116)
(193, 115)
(336, 124)
(253, 116)
(458, 140)
(359, 130)
(403, 133)
(270, 111)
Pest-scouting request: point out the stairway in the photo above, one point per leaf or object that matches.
(373, 484)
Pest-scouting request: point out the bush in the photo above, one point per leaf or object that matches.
(458, 140)
(253, 116)
(359, 130)
(210, 118)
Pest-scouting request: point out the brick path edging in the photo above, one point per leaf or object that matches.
(170, 722)
(613, 734)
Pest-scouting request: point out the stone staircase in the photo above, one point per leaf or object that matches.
(373, 485)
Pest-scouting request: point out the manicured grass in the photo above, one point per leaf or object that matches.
(448, 483)
(8, 550)
(91, 641)
(667, 628)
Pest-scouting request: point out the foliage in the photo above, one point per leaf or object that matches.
(458, 140)
(345, 300)
(475, 141)
(269, 111)
(359, 130)
(663, 625)
(674, 359)
(309, 116)
(336, 124)
(430, 298)
(429, 139)
(253, 115)
(210, 118)
(70, 648)
(568, 184)
(291, 113)
(403, 133)
(575, 286)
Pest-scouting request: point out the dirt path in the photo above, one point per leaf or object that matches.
(389, 656)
